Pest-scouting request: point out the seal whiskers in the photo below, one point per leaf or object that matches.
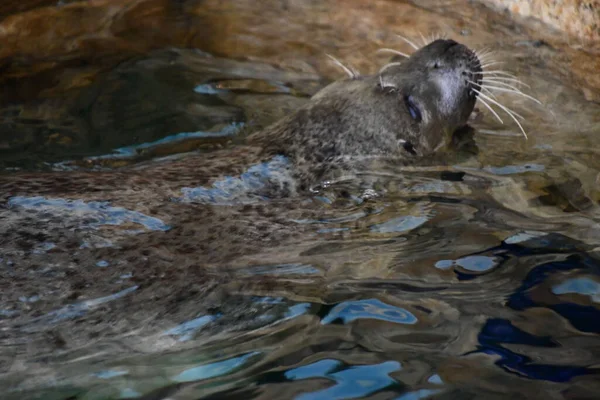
(501, 79)
(490, 82)
(491, 63)
(491, 110)
(411, 43)
(350, 71)
(512, 90)
(386, 66)
(510, 112)
(387, 50)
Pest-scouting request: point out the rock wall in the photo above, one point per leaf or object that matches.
(48, 41)
(577, 18)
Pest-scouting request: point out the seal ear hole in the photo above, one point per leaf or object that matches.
(436, 65)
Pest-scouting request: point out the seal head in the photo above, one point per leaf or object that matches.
(437, 84)
(408, 110)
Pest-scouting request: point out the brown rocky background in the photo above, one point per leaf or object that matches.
(42, 36)
(578, 19)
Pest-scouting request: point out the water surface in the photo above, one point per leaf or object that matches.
(475, 276)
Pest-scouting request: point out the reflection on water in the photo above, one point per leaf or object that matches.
(91, 214)
(131, 151)
(373, 309)
(73, 311)
(583, 317)
(350, 382)
(497, 332)
(583, 286)
(247, 187)
(475, 275)
(186, 330)
(212, 370)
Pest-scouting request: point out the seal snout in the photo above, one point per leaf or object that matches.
(465, 61)
(473, 74)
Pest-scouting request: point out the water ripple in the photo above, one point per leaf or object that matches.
(186, 330)
(350, 382)
(584, 286)
(400, 224)
(77, 310)
(212, 370)
(100, 212)
(498, 331)
(349, 311)
(246, 188)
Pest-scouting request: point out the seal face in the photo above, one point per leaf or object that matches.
(409, 109)
(437, 84)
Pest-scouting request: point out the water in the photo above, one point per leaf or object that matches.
(149, 265)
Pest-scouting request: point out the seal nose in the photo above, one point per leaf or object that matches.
(470, 66)
(446, 44)
(450, 43)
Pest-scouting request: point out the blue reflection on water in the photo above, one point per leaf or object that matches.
(349, 311)
(400, 224)
(584, 318)
(477, 263)
(474, 263)
(296, 310)
(129, 151)
(102, 264)
(281, 269)
(208, 88)
(78, 309)
(186, 330)
(498, 331)
(419, 394)
(242, 189)
(515, 169)
(350, 382)
(435, 379)
(213, 370)
(99, 211)
(582, 285)
(111, 373)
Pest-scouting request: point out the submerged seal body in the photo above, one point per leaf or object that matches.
(408, 110)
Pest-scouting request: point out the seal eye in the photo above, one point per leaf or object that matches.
(414, 111)
(436, 65)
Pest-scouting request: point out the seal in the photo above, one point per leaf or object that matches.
(409, 109)
(169, 256)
